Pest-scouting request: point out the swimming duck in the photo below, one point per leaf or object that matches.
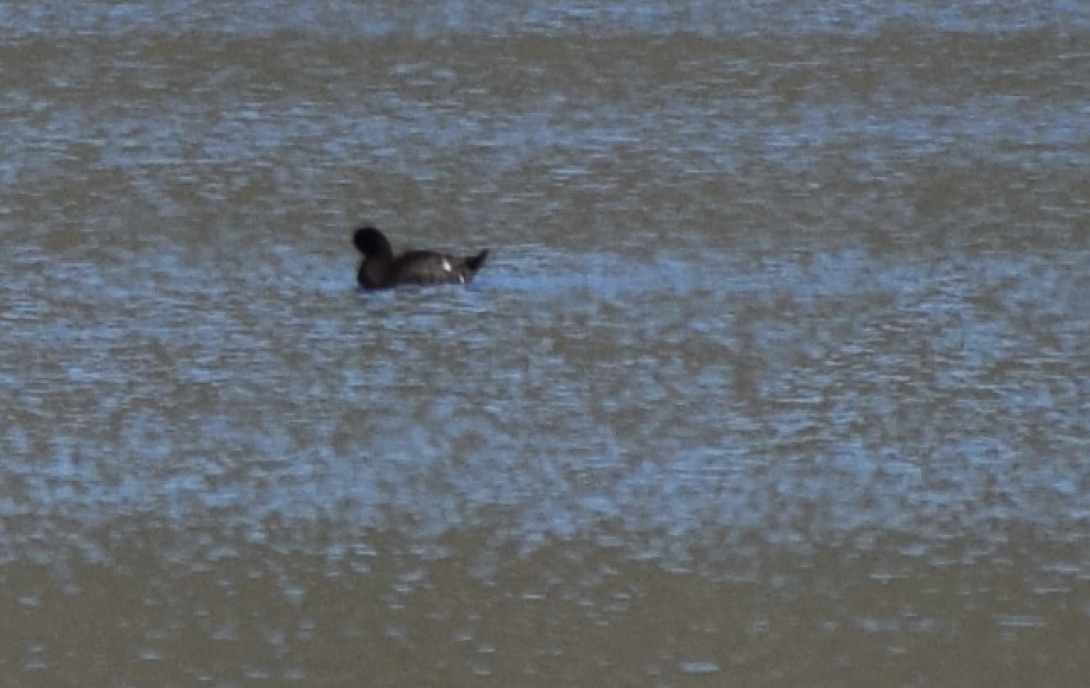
(380, 269)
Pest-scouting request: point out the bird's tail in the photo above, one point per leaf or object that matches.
(474, 263)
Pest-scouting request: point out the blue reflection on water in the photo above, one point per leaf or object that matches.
(667, 403)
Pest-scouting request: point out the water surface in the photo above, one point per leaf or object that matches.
(775, 376)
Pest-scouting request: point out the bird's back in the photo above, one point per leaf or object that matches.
(430, 267)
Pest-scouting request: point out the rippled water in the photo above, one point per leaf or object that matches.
(776, 375)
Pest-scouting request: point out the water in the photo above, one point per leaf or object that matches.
(776, 375)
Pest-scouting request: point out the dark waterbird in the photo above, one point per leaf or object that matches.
(381, 269)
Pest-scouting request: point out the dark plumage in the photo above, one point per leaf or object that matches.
(380, 269)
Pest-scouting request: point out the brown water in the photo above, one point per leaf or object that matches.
(778, 375)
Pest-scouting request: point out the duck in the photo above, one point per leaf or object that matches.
(381, 269)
